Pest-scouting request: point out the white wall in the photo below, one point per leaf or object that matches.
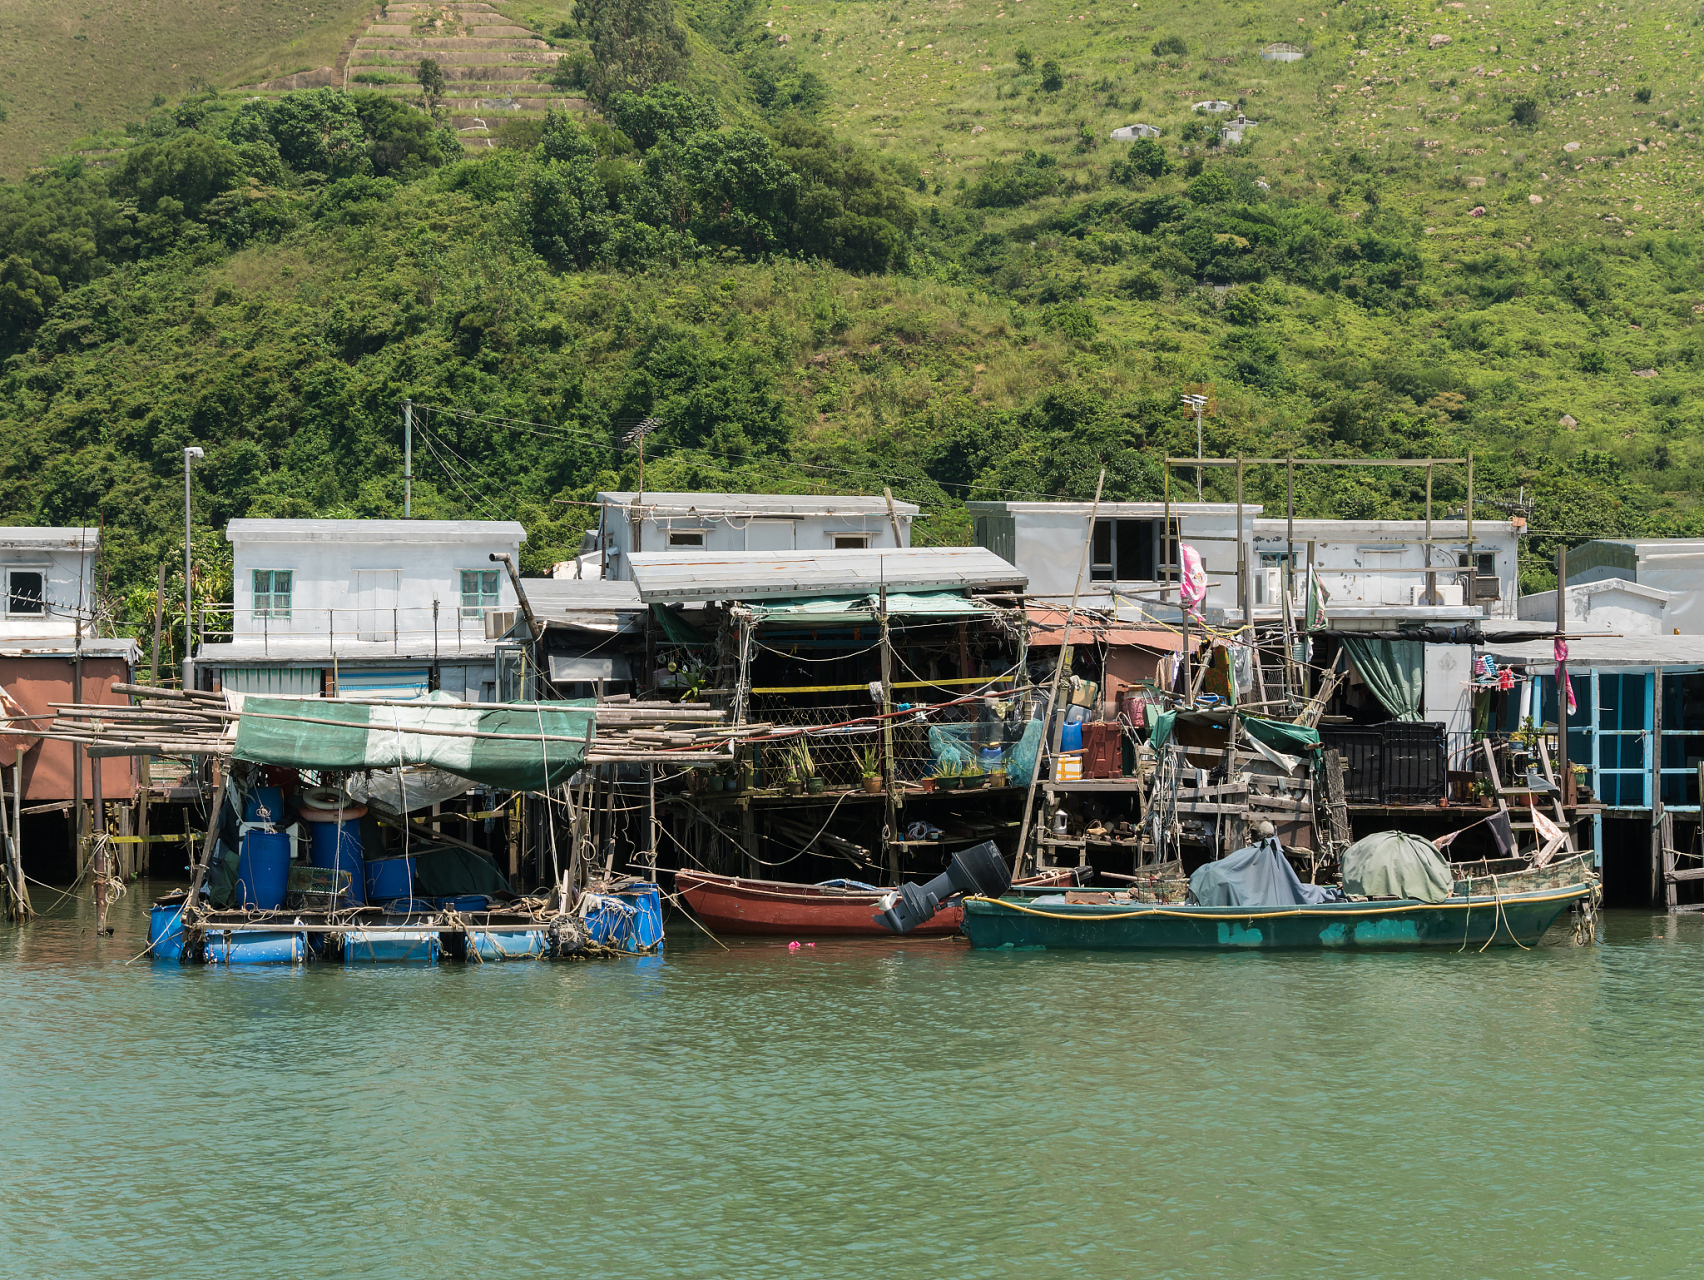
(358, 582)
(1685, 578)
(65, 559)
(1346, 550)
(1048, 544)
(1616, 606)
(757, 529)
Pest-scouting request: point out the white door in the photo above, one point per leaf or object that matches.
(378, 592)
(770, 535)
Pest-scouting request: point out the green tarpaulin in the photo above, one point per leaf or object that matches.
(1394, 864)
(1160, 729)
(1280, 735)
(1395, 670)
(517, 746)
(676, 628)
(827, 610)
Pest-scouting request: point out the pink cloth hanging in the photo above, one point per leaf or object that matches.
(1193, 587)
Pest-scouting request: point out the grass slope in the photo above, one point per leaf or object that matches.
(68, 73)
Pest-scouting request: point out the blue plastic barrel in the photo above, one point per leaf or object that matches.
(265, 804)
(263, 869)
(465, 902)
(165, 932)
(390, 878)
(331, 844)
(517, 944)
(992, 759)
(256, 946)
(1071, 738)
(645, 930)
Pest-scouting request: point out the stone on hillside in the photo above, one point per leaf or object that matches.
(1567, 420)
(1535, 199)
(1438, 41)
(1644, 373)
(1570, 146)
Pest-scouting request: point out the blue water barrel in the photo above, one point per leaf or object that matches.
(265, 804)
(1071, 738)
(390, 878)
(465, 902)
(165, 932)
(992, 759)
(269, 946)
(646, 928)
(263, 869)
(331, 844)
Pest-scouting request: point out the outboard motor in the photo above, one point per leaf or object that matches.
(979, 869)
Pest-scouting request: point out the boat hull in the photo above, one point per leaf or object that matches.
(1519, 919)
(772, 908)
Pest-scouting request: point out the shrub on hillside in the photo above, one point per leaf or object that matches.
(1170, 47)
(1052, 78)
(1145, 159)
(1005, 185)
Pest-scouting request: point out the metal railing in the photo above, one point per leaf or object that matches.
(445, 628)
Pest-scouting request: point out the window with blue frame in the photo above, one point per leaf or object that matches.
(1683, 736)
(1579, 719)
(1623, 721)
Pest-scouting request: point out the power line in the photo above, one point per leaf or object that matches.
(547, 429)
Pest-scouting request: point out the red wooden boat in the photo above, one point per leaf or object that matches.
(729, 904)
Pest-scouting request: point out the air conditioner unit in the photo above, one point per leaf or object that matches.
(1269, 587)
(498, 622)
(1447, 593)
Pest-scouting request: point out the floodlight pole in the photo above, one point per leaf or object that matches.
(1198, 403)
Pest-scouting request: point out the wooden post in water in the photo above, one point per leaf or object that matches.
(890, 828)
(100, 847)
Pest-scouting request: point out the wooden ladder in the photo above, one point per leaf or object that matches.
(1503, 793)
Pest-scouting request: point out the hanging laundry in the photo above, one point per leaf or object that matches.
(1193, 587)
(1562, 680)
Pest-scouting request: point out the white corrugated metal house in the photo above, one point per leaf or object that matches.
(48, 582)
(1129, 554)
(721, 523)
(1607, 604)
(1675, 565)
(1385, 562)
(386, 608)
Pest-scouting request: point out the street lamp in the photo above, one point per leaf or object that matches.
(1198, 403)
(190, 455)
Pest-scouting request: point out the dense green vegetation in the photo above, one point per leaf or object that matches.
(822, 268)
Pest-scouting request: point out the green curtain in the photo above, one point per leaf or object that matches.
(1394, 670)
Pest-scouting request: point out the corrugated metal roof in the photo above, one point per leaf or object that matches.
(368, 532)
(566, 595)
(1127, 510)
(1610, 651)
(590, 604)
(759, 503)
(763, 575)
(50, 537)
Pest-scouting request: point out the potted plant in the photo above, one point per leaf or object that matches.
(997, 777)
(971, 776)
(869, 766)
(948, 775)
(801, 767)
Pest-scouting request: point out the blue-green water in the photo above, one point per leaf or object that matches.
(885, 1109)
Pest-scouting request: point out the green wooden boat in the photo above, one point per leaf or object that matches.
(1517, 919)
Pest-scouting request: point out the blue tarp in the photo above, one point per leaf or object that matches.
(1258, 876)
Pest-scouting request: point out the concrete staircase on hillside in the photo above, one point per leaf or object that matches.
(493, 69)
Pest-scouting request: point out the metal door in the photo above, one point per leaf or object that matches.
(378, 592)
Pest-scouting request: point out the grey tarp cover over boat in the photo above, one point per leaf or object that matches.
(1394, 864)
(1258, 876)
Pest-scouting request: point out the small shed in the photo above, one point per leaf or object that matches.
(1214, 105)
(1133, 132)
(1281, 51)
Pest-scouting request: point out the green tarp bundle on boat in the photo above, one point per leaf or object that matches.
(1394, 864)
(518, 746)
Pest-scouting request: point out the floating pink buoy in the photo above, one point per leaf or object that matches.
(792, 946)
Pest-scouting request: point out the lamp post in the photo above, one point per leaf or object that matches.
(635, 437)
(190, 456)
(1198, 403)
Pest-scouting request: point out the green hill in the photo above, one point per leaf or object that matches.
(897, 247)
(72, 78)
